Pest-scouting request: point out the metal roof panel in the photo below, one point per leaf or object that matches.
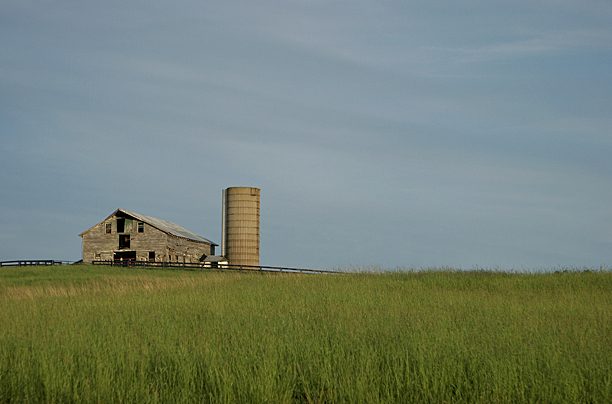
(167, 227)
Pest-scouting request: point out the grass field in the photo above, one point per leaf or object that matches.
(82, 334)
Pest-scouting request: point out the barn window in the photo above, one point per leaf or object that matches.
(120, 225)
(107, 228)
(152, 256)
(140, 227)
(124, 241)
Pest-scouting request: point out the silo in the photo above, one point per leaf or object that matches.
(240, 239)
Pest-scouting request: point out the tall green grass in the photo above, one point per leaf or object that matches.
(108, 335)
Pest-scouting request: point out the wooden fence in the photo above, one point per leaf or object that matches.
(205, 266)
(27, 263)
(173, 265)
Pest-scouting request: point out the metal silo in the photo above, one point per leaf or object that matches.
(240, 239)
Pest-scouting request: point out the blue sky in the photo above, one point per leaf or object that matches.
(391, 133)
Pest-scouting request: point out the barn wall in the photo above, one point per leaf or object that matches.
(184, 250)
(96, 240)
(151, 240)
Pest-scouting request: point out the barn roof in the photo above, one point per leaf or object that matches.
(163, 225)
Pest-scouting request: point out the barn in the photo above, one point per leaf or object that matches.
(126, 235)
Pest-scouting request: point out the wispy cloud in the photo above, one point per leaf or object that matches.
(537, 44)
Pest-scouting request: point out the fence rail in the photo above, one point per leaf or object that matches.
(204, 266)
(27, 263)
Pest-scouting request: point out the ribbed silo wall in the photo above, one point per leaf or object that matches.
(240, 239)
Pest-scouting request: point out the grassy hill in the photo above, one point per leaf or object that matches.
(77, 334)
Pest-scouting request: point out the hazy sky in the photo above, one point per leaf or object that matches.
(393, 133)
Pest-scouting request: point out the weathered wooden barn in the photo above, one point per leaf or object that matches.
(126, 235)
